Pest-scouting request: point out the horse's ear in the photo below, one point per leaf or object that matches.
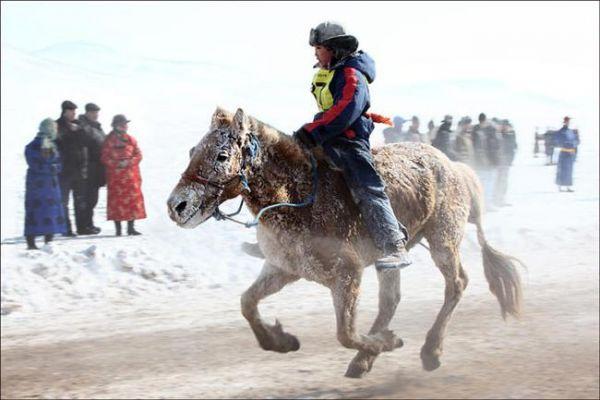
(240, 122)
(219, 119)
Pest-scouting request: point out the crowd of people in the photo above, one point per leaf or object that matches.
(488, 146)
(75, 155)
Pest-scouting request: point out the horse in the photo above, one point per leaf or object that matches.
(326, 241)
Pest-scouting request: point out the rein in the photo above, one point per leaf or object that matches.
(253, 150)
(220, 216)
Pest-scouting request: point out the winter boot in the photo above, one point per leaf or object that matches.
(48, 238)
(131, 230)
(118, 228)
(31, 242)
(398, 258)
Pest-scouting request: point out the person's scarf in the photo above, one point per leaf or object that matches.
(47, 132)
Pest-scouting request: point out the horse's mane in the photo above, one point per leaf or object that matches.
(280, 143)
(272, 139)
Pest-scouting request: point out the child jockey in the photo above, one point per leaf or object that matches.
(342, 128)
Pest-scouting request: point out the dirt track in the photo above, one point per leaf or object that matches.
(551, 353)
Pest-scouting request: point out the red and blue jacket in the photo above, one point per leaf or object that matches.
(342, 94)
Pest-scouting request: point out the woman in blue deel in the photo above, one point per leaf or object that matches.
(44, 213)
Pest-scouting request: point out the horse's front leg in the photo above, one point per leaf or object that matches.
(270, 337)
(345, 293)
(389, 297)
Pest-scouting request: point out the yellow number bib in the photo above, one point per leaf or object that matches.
(320, 89)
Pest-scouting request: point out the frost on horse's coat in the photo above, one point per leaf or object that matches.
(327, 242)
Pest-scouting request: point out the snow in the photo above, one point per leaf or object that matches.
(170, 102)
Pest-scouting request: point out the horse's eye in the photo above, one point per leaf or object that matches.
(222, 157)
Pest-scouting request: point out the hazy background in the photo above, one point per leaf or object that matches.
(533, 62)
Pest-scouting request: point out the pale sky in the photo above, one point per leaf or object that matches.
(548, 49)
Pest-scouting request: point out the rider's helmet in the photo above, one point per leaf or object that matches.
(333, 35)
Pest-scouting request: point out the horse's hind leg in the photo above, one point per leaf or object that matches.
(389, 297)
(345, 293)
(270, 337)
(447, 260)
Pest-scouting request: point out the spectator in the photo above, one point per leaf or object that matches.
(486, 149)
(549, 146)
(508, 148)
(394, 134)
(73, 150)
(121, 156)
(44, 214)
(568, 141)
(413, 134)
(463, 144)
(431, 131)
(95, 137)
(442, 139)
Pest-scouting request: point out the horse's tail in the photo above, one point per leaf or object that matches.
(500, 269)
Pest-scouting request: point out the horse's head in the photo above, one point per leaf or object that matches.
(213, 173)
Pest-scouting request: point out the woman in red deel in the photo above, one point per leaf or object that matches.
(121, 157)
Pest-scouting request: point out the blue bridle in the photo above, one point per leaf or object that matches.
(253, 151)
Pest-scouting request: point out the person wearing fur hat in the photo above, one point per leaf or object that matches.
(44, 214)
(343, 127)
(121, 156)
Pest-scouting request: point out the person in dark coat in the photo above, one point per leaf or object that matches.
(463, 144)
(121, 156)
(549, 146)
(413, 134)
(394, 134)
(567, 141)
(508, 148)
(486, 149)
(343, 128)
(44, 214)
(73, 148)
(442, 139)
(95, 137)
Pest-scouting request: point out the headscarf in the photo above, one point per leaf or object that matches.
(47, 132)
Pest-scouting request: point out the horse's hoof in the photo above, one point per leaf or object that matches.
(390, 340)
(430, 361)
(280, 341)
(293, 344)
(356, 370)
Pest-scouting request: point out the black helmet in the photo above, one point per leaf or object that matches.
(334, 36)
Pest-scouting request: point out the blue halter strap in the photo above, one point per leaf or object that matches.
(253, 150)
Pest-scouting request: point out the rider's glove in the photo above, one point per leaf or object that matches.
(305, 138)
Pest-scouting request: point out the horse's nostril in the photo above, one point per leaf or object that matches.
(180, 207)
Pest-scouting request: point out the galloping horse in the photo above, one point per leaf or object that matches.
(327, 241)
